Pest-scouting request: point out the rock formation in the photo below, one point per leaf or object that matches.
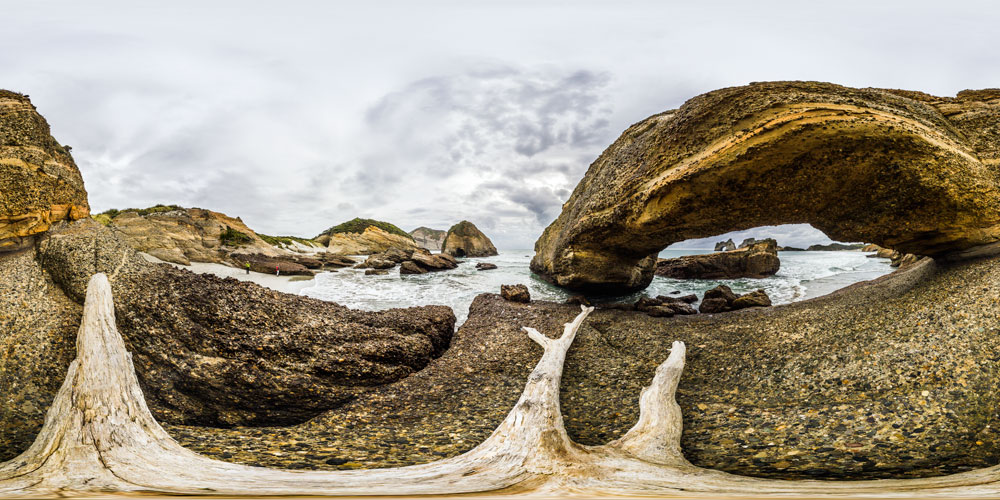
(466, 240)
(838, 247)
(901, 169)
(748, 242)
(725, 246)
(365, 237)
(758, 260)
(431, 239)
(184, 235)
(515, 293)
(39, 183)
(722, 299)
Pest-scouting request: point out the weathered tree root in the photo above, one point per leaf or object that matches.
(100, 437)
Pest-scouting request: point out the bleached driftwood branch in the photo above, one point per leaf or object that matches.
(99, 436)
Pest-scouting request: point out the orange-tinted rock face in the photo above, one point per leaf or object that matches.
(904, 170)
(39, 183)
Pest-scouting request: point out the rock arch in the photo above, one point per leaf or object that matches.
(904, 170)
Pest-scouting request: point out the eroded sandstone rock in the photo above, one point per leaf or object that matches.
(904, 170)
(466, 240)
(431, 239)
(39, 182)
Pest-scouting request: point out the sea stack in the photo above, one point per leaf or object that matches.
(431, 239)
(466, 240)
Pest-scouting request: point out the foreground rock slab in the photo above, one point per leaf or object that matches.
(904, 170)
(99, 437)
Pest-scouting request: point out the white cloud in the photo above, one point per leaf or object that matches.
(298, 116)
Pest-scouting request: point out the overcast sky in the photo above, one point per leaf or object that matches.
(297, 115)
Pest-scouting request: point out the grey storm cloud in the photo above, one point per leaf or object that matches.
(299, 116)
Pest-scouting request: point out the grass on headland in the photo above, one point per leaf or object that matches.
(287, 241)
(358, 225)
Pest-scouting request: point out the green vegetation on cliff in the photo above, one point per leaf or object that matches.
(358, 225)
(111, 213)
(233, 238)
(287, 240)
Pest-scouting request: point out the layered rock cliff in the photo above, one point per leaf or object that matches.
(431, 239)
(182, 235)
(904, 170)
(365, 237)
(466, 240)
(39, 182)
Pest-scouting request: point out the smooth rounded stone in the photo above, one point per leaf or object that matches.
(756, 298)
(515, 293)
(221, 352)
(756, 260)
(39, 182)
(485, 266)
(466, 240)
(854, 385)
(901, 169)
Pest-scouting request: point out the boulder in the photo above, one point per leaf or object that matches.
(884, 166)
(725, 246)
(39, 182)
(434, 262)
(722, 299)
(431, 239)
(758, 260)
(377, 261)
(756, 298)
(410, 267)
(466, 240)
(334, 260)
(485, 266)
(376, 272)
(578, 300)
(515, 293)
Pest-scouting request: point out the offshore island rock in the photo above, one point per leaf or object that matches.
(466, 240)
(758, 259)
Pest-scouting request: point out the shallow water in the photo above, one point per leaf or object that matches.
(802, 275)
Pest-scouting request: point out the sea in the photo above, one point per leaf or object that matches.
(802, 275)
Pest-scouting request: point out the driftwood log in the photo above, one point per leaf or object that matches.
(99, 437)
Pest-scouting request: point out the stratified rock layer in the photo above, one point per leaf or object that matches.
(428, 238)
(901, 169)
(372, 240)
(190, 234)
(39, 183)
(466, 240)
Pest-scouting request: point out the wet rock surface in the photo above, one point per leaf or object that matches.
(758, 259)
(852, 385)
(902, 170)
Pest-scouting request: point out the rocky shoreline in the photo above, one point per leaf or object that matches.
(848, 386)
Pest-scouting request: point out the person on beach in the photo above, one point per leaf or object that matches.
(248, 267)
(277, 272)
